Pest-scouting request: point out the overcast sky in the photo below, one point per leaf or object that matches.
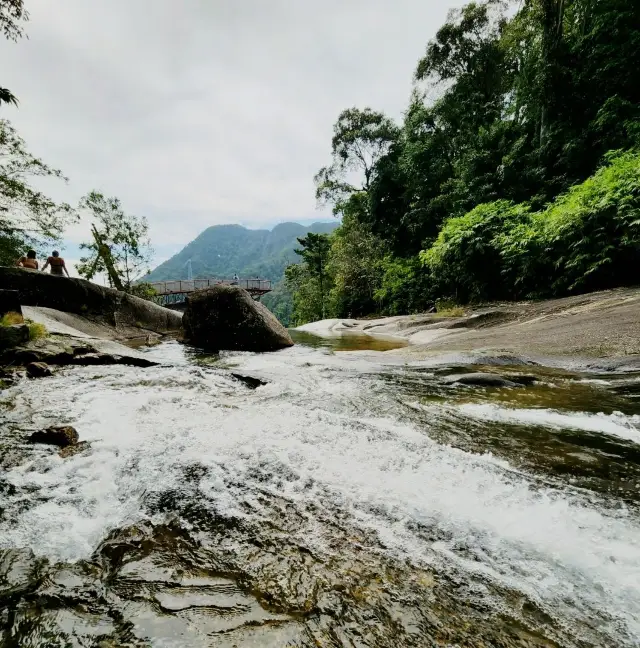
(201, 112)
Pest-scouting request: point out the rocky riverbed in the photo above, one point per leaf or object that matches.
(600, 329)
(316, 497)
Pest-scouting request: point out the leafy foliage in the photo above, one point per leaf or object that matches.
(27, 216)
(586, 239)
(465, 261)
(493, 185)
(360, 139)
(120, 247)
(12, 12)
(314, 251)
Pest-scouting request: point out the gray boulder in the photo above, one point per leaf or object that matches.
(227, 318)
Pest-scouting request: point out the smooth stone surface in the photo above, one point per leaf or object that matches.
(227, 318)
(480, 380)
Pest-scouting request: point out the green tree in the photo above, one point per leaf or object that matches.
(12, 12)
(494, 171)
(360, 139)
(315, 254)
(27, 216)
(120, 246)
(304, 285)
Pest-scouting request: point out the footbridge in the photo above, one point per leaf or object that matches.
(173, 294)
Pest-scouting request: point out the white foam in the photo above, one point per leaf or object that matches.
(320, 433)
(616, 424)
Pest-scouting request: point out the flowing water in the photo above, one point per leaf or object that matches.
(351, 500)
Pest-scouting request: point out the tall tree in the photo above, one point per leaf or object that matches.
(120, 245)
(27, 216)
(360, 139)
(315, 254)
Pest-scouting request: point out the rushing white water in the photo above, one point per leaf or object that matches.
(616, 424)
(324, 429)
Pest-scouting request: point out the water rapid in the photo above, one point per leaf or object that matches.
(353, 499)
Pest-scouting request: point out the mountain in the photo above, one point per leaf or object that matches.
(223, 250)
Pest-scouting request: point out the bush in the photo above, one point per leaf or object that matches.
(405, 286)
(587, 239)
(11, 318)
(466, 261)
(592, 233)
(36, 330)
(143, 290)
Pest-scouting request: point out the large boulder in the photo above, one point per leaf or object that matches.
(97, 303)
(227, 318)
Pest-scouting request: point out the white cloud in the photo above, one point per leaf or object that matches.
(197, 112)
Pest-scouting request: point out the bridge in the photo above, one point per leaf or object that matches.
(173, 294)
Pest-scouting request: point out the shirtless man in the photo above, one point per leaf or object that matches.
(57, 264)
(28, 261)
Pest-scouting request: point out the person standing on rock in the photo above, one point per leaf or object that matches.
(57, 264)
(29, 261)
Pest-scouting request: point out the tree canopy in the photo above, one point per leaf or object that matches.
(120, 246)
(27, 216)
(509, 136)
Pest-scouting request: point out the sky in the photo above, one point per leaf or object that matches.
(203, 112)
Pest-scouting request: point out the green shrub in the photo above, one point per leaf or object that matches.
(405, 286)
(587, 239)
(36, 330)
(465, 261)
(143, 290)
(592, 232)
(11, 318)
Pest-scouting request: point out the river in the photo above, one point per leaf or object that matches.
(354, 499)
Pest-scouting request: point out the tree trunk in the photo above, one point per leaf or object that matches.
(105, 253)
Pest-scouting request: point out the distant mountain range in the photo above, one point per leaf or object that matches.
(223, 250)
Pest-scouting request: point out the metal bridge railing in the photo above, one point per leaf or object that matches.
(191, 285)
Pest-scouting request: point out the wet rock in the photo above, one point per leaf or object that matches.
(522, 379)
(38, 370)
(19, 572)
(13, 336)
(227, 318)
(72, 450)
(68, 352)
(91, 359)
(250, 381)
(62, 436)
(480, 380)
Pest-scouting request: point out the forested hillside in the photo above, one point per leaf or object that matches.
(515, 172)
(222, 250)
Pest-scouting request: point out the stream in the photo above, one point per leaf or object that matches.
(354, 499)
